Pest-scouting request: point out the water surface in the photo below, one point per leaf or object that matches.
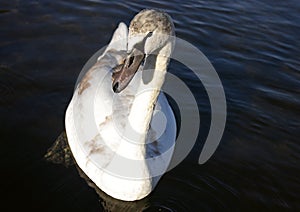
(254, 47)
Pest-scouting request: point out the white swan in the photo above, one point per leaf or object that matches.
(120, 127)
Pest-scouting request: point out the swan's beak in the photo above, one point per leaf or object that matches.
(124, 73)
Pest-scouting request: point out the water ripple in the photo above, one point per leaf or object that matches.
(6, 93)
(254, 46)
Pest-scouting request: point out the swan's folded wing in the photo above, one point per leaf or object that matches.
(85, 114)
(118, 41)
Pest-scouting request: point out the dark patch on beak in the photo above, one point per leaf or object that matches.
(123, 74)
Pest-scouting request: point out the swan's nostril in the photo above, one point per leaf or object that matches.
(115, 87)
(131, 59)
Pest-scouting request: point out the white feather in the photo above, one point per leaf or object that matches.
(110, 142)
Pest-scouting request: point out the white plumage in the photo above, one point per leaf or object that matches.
(124, 141)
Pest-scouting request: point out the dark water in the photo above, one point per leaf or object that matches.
(254, 47)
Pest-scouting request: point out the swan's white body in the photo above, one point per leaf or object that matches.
(109, 133)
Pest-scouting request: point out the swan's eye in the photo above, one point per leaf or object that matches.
(143, 62)
(150, 34)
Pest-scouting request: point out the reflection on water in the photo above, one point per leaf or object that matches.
(60, 153)
(254, 47)
(111, 204)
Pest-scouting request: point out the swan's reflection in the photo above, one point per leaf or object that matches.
(112, 204)
(60, 153)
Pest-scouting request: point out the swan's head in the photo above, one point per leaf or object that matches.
(151, 32)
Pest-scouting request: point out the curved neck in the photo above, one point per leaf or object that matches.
(140, 113)
(142, 108)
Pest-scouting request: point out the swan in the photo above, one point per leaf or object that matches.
(119, 125)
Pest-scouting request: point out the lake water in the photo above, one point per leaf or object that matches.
(254, 47)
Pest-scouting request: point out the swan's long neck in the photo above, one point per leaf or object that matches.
(145, 100)
(141, 111)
